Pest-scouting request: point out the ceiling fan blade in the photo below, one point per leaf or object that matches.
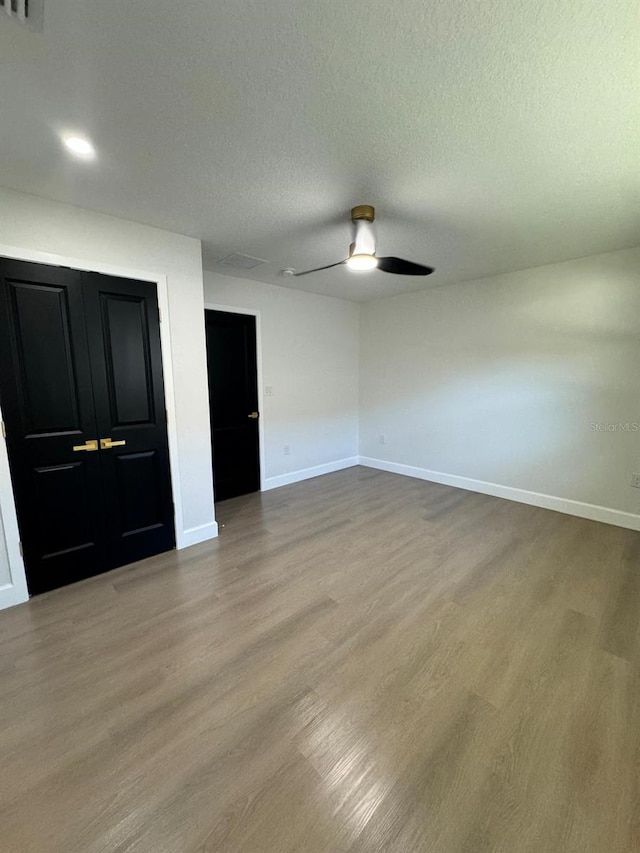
(318, 269)
(400, 267)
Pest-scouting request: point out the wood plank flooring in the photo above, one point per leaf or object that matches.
(362, 662)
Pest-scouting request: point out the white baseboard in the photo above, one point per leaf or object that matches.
(308, 473)
(11, 595)
(195, 535)
(565, 505)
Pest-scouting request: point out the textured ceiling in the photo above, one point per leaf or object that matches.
(492, 135)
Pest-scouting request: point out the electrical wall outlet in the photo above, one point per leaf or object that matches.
(268, 390)
(635, 481)
(382, 439)
(286, 450)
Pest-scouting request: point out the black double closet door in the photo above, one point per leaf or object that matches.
(82, 397)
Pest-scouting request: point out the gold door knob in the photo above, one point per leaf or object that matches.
(107, 443)
(254, 415)
(90, 446)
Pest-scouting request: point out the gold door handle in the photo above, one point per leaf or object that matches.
(90, 446)
(254, 415)
(107, 443)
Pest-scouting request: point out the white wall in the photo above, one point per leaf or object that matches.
(37, 229)
(309, 349)
(5, 572)
(13, 582)
(498, 380)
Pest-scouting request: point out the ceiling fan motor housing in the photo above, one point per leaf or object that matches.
(364, 242)
(363, 211)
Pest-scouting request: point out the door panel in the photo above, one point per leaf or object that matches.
(42, 348)
(128, 361)
(65, 491)
(124, 348)
(139, 484)
(47, 404)
(233, 403)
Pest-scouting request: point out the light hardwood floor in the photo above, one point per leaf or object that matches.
(360, 663)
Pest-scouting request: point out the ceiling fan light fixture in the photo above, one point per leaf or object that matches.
(362, 262)
(362, 251)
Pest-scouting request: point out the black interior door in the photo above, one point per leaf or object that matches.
(52, 438)
(123, 329)
(233, 401)
(82, 396)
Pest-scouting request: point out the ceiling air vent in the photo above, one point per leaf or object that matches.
(30, 13)
(242, 262)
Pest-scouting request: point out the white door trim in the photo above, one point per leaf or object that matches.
(17, 591)
(232, 309)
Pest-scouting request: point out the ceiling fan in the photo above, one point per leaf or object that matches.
(362, 252)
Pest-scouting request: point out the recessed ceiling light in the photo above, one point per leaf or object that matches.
(80, 146)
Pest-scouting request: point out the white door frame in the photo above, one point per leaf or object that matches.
(232, 309)
(16, 591)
